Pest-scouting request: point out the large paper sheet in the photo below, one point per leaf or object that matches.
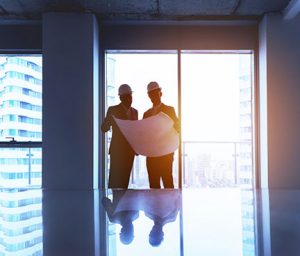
(154, 136)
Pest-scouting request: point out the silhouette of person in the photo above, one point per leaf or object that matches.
(163, 208)
(121, 153)
(123, 217)
(160, 168)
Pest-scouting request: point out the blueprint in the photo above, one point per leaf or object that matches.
(154, 136)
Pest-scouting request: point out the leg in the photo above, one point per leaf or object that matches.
(120, 170)
(167, 171)
(153, 175)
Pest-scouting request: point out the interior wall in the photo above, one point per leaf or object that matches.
(283, 104)
(239, 36)
(21, 38)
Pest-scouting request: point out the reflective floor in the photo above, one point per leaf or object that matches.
(150, 222)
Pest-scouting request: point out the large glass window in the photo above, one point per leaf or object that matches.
(215, 92)
(217, 119)
(21, 155)
(137, 70)
(20, 120)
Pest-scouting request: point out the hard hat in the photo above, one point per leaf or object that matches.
(153, 86)
(125, 89)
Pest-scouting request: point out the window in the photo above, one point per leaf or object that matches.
(21, 119)
(137, 70)
(216, 93)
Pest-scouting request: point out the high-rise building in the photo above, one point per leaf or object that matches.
(245, 154)
(245, 134)
(21, 231)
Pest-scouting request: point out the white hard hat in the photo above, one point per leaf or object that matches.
(125, 89)
(153, 86)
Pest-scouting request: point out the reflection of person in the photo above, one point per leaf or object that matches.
(123, 217)
(161, 206)
(121, 153)
(162, 209)
(160, 167)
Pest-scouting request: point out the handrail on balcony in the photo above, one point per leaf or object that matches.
(216, 142)
(20, 144)
(235, 155)
(23, 144)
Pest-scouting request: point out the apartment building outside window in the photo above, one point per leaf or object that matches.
(20, 159)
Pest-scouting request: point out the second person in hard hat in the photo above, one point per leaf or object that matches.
(160, 168)
(121, 153)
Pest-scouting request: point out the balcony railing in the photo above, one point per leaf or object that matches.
(21, 164)
(217, 163)
(206, 164)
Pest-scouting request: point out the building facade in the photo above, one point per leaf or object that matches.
(21, 231)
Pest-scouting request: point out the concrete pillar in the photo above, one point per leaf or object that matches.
(279, 72)
(70, 101)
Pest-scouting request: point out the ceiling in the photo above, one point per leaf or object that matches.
(143, 9)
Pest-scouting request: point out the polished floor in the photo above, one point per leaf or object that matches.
(188, 222)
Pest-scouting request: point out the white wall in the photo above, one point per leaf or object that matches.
(282, 56)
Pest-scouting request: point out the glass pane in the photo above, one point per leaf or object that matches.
(20, 167)
(137, 70)
(21, 222)
(209, 214)
(143, 220)
(217, 119)
(20, 120)
(181, 222)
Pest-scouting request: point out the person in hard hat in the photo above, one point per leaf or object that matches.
(121, 153)
(160, 168)
(124, 217)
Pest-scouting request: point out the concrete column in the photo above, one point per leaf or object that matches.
(280, 72)
(70, 101)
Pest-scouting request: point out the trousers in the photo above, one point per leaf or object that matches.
(160, 168)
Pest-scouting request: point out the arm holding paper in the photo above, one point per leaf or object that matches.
(108, 120)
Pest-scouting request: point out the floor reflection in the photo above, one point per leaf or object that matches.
(147, 219)
(217, 225)
(150, 222)
(21, 222)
